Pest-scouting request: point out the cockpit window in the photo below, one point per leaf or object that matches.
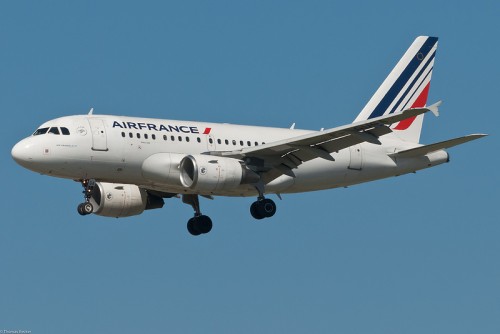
(54, 131)
(40, 131)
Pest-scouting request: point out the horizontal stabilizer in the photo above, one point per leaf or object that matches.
(423, 150)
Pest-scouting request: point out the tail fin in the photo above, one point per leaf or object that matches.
(407, 86)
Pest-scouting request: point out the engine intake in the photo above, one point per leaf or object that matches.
(122, 200)
(209, 173)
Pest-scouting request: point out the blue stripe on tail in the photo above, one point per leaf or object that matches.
(419, 75)
(404, 77)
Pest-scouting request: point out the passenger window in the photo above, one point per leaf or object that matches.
(54, 131)
(210, 140)
(219, 141)
(241, 142)
(153, 136)
(226, 141)
(256, 144)
(234, 142)
(180, 138)
(138, 135)
(187, 139)
(131, 135)
(145, 136)
(123, 134)
(41, 131)
(198, 139)
(65, 131)
(172, 138)
(249, 143)
(165, 137)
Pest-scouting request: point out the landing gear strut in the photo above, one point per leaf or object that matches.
(262, 207)
(86, 208)
(199, 224)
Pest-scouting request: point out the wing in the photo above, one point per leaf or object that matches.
(284, 155)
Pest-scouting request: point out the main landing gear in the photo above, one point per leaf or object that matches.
(263, 208)
(199, 224)
(86, 208)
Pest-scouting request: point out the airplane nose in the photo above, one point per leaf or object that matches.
(21, 153)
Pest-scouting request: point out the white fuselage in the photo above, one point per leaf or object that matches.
(114, 148)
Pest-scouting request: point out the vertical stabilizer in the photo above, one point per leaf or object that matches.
(407, 86)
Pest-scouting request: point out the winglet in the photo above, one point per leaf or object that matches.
(91, 111)
(435, 108)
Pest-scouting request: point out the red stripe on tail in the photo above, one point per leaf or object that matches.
(419, 103)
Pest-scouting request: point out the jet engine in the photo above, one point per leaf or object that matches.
(122, 200)
(210, 173)
(163, 168)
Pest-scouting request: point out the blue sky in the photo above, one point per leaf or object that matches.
(413, 254)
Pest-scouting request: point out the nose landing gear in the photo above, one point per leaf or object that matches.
(86, 208)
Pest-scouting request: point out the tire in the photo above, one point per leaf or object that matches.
(204, 224)
(192, 228)
(80, 209)
(266, 208)
(255, 212)
(87, 208)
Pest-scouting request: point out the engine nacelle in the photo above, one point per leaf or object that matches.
(163, 168)
(210, 173)
(122, 200)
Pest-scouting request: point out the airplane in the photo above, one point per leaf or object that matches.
(127, 164)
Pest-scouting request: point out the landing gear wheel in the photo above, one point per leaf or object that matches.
(80, 209)
(191, 226)
(254, 211)
(204, 224)
(263, 208)
(267, 208)
(85, 209)
(88, 208)
(199, 225)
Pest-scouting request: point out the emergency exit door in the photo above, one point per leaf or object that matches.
(356, 161)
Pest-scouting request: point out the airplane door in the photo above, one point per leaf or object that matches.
(356, 161)
(210, 143)
(99, 140)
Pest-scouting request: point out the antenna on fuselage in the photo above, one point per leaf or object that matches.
(91, 111)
